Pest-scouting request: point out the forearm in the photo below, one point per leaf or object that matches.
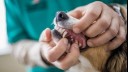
(28, 52)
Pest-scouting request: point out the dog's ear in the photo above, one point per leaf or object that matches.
(117, 62)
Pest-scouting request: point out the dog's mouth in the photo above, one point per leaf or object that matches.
(72, 37)
(66, 32)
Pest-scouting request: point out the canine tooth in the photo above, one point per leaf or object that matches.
(60, 30)
(63, 30)
(65, 33)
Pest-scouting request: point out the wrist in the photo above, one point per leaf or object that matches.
(44, 59)
(35, 57)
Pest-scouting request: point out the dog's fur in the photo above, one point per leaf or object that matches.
(98, 59)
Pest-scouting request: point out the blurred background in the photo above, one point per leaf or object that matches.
(7, 62)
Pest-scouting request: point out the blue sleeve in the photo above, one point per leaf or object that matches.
(15, 30)
(121, 1)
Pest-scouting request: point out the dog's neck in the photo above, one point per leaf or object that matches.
(97, 56)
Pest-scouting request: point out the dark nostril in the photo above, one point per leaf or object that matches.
(61, 16)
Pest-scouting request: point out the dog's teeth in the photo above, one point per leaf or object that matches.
(64, 34)
(62, 31)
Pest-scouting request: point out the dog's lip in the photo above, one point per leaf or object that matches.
(72, 36)
(61, 30)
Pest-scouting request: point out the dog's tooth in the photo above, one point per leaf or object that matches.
(65, 33)
(63, 30)
(60, 30)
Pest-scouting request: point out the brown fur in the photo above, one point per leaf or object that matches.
(117, 62)
(97, 56)
(104, 61)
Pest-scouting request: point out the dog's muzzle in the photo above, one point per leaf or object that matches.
(63, 32)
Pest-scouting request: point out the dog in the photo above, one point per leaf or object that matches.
(91, 59)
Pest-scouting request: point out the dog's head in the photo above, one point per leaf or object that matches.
(63, 29)
(101, 59)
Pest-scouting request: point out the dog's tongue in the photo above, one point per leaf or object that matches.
(72, 37)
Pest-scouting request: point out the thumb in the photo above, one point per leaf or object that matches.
(45, 35)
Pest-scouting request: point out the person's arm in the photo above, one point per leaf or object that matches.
(37, 53)
(26, 51)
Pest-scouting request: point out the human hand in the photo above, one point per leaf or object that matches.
(101, 24)
(55, 53)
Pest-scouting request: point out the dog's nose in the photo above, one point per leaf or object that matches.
(61, 16)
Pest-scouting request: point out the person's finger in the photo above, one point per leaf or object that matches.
(92, 14)
(56, 52)
(70, 59)
(100, 26)
(118, 40)
(107, 36)
(45, 35)
(77, 13)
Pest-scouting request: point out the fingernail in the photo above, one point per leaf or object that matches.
(65, 41)
(76, 30)
(90, 43)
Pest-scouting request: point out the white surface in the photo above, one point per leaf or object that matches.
(3, 36)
